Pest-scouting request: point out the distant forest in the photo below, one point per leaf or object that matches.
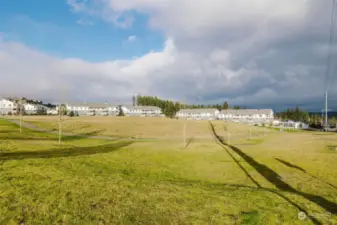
(314, 119)
(170, 108)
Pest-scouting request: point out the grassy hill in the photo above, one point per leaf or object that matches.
(268, 179)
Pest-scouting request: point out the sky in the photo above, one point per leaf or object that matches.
(257, 53)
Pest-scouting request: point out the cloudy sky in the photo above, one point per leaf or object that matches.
(256, 53)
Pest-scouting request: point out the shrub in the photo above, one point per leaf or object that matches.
(71, 113)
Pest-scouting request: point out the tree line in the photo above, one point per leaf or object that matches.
(170, 108)
(315, 120)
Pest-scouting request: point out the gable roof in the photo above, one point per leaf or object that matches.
(91, 105)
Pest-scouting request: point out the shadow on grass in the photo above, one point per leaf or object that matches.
(276, 180)
(49, 136)
(332, 147)
(67, 152)
(304, 171)
(189, 141)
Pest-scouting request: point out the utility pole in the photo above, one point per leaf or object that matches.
(250, 131)
(21, 115)
(60, 124)
(326, 110)
(184, 132)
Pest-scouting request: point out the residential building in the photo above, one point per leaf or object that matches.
(198, 114)
(52, 111)
(247, 115)
(31, 109)
(80, 109)
(147, 111)
(292, 125)
(98, 109)
(92, 109)
(8, 106)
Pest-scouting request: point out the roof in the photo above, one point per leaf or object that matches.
(246, 111)
(142, 107)
(91, 105)
(202, 110)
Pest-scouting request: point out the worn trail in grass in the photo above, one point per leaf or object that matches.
(88, 181)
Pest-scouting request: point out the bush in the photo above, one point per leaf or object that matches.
(71, 113)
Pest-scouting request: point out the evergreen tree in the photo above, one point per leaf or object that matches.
(225, 105)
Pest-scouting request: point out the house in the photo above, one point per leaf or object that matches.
(78, 108)
(98, 109)
(247, 115)
(8, 106)
(52, 111)
(293, 125)
(146, 111)
(92, 109)
(198, 114)
(31, 109)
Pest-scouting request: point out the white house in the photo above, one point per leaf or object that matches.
(113, 110)
(52, 111)
(99, 109)
(151, 111)
(198, 114)
(293, 125)
(92, 109)
(8, 107)
(80, 109)
(34, 108)
(247, 115)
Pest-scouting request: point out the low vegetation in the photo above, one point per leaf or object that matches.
(222, 174)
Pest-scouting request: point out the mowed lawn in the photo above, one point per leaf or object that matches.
(259, 176)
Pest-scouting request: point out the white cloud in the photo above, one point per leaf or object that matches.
(247, 52)
(132, 38)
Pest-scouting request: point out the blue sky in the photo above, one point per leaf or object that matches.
(51, 27)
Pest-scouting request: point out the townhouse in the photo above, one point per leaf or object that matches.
(247, 115)
(198, 114)
(8, 106)
(146, 111)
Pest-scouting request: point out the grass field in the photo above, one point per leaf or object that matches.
(152, 178)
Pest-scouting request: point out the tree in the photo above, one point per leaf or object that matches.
(41, 111)
(120, 113)
(71, 113)
(63, 110)
(225, 105)
(333, 122)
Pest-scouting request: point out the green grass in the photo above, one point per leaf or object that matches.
(266, 180)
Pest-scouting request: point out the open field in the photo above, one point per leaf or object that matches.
(267, 179)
